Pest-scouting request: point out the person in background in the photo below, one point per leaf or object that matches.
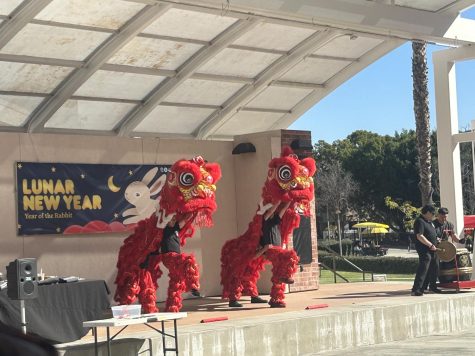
(426, 239)
(444, 228)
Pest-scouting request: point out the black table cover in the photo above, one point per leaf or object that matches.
(60, 309)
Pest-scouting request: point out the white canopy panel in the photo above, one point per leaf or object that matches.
(203, 69)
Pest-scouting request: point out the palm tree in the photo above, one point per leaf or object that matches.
(420, 96)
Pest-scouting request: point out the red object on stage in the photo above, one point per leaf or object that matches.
(187, 196)
(289, 180)
(316, 306)
(469, 221)
(458, 285)
(211, 320)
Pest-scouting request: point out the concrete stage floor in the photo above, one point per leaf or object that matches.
(358, 314)
(334, 295)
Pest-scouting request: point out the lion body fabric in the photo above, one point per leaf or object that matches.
(188, 195)
(289, 180)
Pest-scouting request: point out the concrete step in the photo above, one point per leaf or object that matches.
(309, 331)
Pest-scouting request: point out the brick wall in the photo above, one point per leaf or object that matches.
(307, 277)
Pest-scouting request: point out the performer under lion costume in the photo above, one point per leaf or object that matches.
(187, 199)
(289, 187)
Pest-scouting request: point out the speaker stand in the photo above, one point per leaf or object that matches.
(23, 316)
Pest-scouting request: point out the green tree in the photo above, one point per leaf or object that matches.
(408, 212)
(380, 165)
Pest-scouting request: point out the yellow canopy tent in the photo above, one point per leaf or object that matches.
(369, 224)
(375, 230)
(371, 229)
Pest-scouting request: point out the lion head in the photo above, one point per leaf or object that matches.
(190, 189)
(290, 179)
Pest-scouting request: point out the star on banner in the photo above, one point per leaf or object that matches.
(83, 176)
(58, 229)
(130, 173)
(19, 166)
(53, 169)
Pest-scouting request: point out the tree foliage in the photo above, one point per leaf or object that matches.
(379, 167)
(408, 212)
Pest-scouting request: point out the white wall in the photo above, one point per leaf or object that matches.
(95, 256)
(251, 174)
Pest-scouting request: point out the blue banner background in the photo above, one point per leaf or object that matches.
(62, 198)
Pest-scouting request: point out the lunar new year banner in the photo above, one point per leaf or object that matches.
(57, 198)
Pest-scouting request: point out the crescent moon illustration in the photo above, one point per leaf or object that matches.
(111, 185)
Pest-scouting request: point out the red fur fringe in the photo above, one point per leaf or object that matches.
(239, 269)
(132, 280)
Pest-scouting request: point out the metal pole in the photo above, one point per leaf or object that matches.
(334, 268)
(339, 230)
(23, 316)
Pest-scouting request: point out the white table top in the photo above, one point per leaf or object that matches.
(141, 319)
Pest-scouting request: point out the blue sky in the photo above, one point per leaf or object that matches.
(379, 98)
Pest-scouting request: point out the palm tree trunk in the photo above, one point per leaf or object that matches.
(420, 95)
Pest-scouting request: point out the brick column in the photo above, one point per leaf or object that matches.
(307, 277)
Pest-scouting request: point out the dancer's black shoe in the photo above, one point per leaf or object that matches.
(258, 300)
(195, 293)
(234, 304)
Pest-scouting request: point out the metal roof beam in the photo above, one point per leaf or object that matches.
(53, 130)
(4, 57)
(189, 105)
(186, 71)
(73, 26)
(287, 84)
(23, 93)
(15, 58)
(138, 70)
(20, 17)
(177, 136)
(103, 53)
(333, 58)
(349, 71)
(4, 127)
(109, 30)
(362, 18)
(257, 49)
(457, 6)
(105, 100)
(266, 110)
(222, 78)
(276, 69)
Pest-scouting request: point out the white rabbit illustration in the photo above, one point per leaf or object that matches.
(139, 194)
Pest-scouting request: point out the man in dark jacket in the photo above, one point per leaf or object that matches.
(426, 239)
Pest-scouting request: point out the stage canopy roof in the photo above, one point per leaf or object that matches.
(196, 69)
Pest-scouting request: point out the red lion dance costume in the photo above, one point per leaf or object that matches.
(188, 194)
(288, 179)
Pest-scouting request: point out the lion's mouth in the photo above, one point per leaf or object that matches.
(203, 218)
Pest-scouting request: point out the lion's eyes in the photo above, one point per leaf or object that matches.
(187, 179)
(285, 173)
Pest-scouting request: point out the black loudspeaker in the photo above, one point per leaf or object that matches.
(22, 279)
